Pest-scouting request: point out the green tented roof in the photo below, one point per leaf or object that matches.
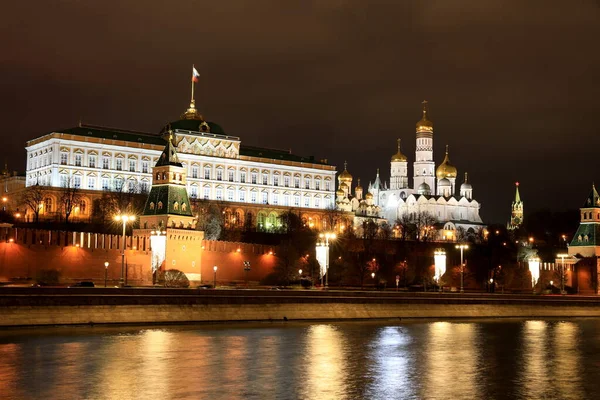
(588, 234)
(168, 195)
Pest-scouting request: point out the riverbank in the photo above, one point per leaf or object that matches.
(37, 307)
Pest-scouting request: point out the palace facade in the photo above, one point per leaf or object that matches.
(250, 182)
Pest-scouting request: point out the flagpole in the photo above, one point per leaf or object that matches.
(192, 101)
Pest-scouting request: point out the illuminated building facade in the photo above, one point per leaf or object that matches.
(434, 191)
(250, 182)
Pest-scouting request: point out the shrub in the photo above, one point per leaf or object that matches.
(174, 278)
(48, 277)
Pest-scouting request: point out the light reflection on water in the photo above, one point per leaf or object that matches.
(535, 359)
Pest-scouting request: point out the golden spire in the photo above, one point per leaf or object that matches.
(345, 175)
(466, 177)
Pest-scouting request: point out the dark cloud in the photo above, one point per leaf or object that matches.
(513, 85)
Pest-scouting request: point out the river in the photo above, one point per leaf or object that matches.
(491, 359)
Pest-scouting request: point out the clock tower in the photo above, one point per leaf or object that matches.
(516, 217)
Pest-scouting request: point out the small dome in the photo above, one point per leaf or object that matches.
(339, 192)
(345, 175)
(444, 183)
(399, 157)
(369, 196)
(343, 186)
(466, 185)
(446, 170)
(424, 189)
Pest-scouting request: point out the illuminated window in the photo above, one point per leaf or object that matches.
(176, 206)
(92, 161)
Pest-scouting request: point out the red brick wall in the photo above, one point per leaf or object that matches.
(85, 260)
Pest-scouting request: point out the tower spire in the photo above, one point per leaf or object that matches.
(517, 194)
(446, 149)
(466, 177)
(398, 145)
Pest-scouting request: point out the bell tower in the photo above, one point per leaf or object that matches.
(424, 166)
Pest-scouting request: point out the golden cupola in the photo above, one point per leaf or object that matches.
(425, 125)
(399, 157)
(446, 170)
(345, 176)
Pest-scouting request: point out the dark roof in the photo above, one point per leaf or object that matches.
(190, 125)
(252, 151)
(194, 125)
(114, 133)
(168, 195)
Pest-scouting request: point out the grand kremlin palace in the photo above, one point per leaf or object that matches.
(253, 184)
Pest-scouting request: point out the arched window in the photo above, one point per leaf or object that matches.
(152, 205)
(176, 206)
(158, 175)
(47, 204)
(160, 205)
(183, 206)
(82, 207)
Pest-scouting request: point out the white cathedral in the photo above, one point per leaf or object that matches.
(433, 192)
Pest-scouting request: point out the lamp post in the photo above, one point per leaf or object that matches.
(105, 272)
(462, 248)
(215, 277)
(246, 269)
(123, 218)
(562, 272)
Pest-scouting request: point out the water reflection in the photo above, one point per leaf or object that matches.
(392, 365)
(547, 359)
(452, 354)
(325, 364)
(567, 367)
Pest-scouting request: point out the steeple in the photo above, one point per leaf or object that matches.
(516, 217)
(593, 199)
(191, 112)
(168, 204)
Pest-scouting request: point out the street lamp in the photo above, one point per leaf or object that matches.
(246, 269)
(562, 272)
(300, 272)
(462, 248)
(215, 278)
(105, 272)
(373, 277)
(123, 218)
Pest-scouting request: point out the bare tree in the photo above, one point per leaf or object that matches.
(33, 198)
(332, 216)
(129, 200)
(406, 226)
(70, 197)
(424, 224)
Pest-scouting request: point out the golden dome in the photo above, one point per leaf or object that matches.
(339, 193)
(369, 196)
(446, 170)
(344, 186)
(358, 188)
(399, 156)
(345, 175)
(424, 125)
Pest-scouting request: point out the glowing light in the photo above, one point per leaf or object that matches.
(534, 269)
(439, 256)
(238, 250)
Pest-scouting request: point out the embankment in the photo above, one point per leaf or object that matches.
(30, 307)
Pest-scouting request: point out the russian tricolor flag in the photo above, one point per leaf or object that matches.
(195, 74)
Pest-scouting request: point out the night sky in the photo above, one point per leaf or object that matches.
(513, 86)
